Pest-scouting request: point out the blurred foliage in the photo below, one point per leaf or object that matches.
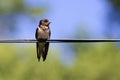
(99, 62)
(11, 10)
(10, 7)
(116, 4)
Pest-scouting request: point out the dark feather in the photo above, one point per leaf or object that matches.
(37, 46)
(38, 52)
(44, 55)
(36, 33)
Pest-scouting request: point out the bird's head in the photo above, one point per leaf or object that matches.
(44, 22)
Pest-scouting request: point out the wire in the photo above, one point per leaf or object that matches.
(59, 40)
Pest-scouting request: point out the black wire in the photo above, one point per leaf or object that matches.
(60, 40)
(86, 40)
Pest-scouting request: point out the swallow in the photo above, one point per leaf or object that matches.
(42, 33)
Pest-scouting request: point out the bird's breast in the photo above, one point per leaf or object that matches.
(43, 33)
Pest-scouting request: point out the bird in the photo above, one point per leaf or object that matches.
(42, 33)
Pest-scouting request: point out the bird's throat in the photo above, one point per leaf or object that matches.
(44, 27)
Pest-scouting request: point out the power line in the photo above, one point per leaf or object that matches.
(59, 40)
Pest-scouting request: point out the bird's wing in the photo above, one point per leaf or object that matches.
(49, 33)
(37, 46)
(37, 49)
(36, 34)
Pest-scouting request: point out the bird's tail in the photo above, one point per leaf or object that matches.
(38, 56)
(38, 59)
(44, 55)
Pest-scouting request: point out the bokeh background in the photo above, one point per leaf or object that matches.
(71, 19)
